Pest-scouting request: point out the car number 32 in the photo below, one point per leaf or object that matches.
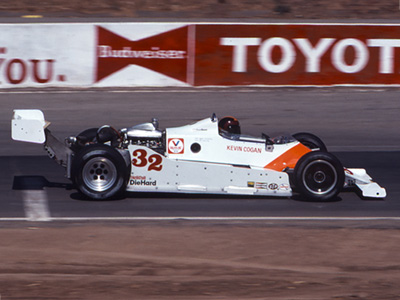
(153, 162)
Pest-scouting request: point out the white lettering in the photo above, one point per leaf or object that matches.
(313, 55)
(386, 53)
(127, 52)
(265, 55)
(103, 50)
(239, 63)
(360, 59)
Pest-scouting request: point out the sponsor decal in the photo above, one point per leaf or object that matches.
(284, 186)
(244, 149)
(141, 180)
(273, 186)
(347, 171)
(165, 53)
(204, 140)
(262, 185)
(176, 146)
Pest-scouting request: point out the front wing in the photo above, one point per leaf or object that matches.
(360, 179)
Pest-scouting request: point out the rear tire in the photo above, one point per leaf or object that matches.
(89, 134)
(319, 176)
(100, 172)
(311, 141)
(84, 138)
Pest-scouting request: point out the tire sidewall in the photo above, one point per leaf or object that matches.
(100, 151)
(307, 160)
(308, 139)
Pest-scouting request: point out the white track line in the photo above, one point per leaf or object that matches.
(205, 219)
(35, 205)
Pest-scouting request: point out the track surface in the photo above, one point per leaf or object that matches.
(360, 126)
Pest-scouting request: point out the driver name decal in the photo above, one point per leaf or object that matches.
(244, 149)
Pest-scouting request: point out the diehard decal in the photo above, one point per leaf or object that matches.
(176, 146)
(165, 53)
(141, 180)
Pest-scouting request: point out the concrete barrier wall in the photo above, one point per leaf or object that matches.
(190, 54)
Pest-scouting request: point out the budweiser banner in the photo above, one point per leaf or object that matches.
(189, 54)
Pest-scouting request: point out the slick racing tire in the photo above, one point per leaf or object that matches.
(85, 137)
(319, 176)
(310, 140)
(89, 134)
(100, 172)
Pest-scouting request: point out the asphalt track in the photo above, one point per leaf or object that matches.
(359, 125)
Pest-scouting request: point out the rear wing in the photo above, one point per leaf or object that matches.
(28, 125)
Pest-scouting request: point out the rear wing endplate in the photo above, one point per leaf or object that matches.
(28, 125)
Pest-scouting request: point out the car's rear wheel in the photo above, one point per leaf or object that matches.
(319, 176)
(310, 140)
(100, 172)
(84, 138)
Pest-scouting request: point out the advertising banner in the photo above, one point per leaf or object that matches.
(142, 54)
(39, 55)
(198, 54)
(297, 54)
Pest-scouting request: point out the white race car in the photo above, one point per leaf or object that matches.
(210, 156)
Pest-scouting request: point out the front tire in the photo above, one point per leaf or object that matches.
(311, 141)
(99, 172)
(319, 176)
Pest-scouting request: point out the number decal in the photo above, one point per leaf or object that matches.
(140, 160)
(155, 161)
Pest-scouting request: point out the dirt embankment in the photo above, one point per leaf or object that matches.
(236, 9)
(183, 261)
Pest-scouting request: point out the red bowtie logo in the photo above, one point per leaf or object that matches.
(165, 53)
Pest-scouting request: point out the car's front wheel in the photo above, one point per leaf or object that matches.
(319, 176)
(310, 140)
(99, 172)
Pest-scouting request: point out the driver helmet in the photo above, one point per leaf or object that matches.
(229, 124)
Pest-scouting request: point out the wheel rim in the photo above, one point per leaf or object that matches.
(99, 174)
(320, 177)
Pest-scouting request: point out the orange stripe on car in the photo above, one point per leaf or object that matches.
(289, 158)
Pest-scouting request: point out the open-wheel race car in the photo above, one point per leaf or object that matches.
(210, 156)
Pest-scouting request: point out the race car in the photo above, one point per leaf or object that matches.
(210, 156)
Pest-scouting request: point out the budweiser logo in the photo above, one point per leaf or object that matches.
(165, 53)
